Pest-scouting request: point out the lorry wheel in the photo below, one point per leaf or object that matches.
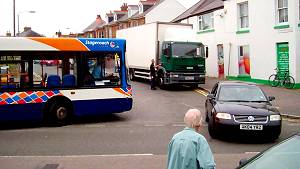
(161, 82)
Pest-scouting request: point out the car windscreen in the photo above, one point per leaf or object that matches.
(241, 93)
(187, 50)
(285, 155)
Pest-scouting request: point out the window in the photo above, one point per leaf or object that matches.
(206, 21)
(243, 15)
(115, 17)
(187, 50)
(282, 11)
(244, 60)
(140, 8)
(55, 72)
(14, 72)
(102, 70)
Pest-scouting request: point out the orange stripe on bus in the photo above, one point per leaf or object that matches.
(63, 44)
(121, 91)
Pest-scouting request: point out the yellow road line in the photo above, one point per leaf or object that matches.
(202, 92)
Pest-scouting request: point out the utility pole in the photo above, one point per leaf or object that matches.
(14, 15)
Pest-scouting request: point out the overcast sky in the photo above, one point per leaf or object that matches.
(53, 15)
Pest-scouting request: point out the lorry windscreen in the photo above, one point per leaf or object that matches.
(187, 50)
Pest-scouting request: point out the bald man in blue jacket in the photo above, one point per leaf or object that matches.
(188, 149)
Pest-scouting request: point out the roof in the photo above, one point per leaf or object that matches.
(96, 24)
(123, 18)
(202, 7)
(29, 33)
(148, 2)
(133, 6)
(137, 15)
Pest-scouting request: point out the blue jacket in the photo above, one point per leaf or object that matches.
(189, 150)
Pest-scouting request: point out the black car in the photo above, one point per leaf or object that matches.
(237, 108)
(285, 154)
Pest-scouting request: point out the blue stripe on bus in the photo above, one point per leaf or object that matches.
(101, 107)
(96, 44)
(21, 112)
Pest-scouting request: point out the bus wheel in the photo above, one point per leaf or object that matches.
(59, 113)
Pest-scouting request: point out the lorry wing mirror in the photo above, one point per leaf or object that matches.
(206, 52)
(198, 52)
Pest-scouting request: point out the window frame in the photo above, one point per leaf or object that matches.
(240, 16)
(283, 8)
(200, 22)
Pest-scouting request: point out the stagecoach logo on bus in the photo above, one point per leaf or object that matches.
(102, 43)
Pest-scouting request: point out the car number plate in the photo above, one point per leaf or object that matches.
(251, 127)
(189, 78)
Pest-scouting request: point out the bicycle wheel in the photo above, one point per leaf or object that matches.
(274, 80)
(289, 82)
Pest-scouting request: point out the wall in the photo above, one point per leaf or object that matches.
(165, 11)
(211, 39)
(262, 38)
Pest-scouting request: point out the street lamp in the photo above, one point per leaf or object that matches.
(19, 18)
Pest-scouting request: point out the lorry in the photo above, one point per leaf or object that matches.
(180, 58)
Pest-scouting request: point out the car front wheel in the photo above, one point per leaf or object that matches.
(212, 132)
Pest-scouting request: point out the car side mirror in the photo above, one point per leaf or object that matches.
(210, 96)
(243, 161)
(271, 98)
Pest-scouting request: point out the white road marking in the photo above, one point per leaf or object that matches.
(252, 152)
(293, 124)
(154, 125)
(187, 105)
(80, 156)
(178, 125)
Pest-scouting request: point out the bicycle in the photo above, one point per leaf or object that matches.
(282, 78)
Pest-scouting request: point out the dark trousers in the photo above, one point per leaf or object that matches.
(152, 82)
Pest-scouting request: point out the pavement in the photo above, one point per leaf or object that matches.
(285, 99)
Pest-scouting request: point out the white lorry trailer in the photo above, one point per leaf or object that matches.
(172, 45)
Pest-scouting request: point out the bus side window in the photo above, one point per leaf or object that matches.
(14, 74)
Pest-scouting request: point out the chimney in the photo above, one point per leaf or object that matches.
(98, 17)
(58, 33)
(124, 7)
(8, 34)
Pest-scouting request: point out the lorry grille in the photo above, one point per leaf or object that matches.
(250, 119)
(184, 67)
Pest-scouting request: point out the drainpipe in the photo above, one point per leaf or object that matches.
(230, 44)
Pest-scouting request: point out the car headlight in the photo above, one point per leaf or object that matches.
(223, 116)
(275, 117)
(172, 75)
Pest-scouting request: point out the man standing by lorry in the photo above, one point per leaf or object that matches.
(152, 74)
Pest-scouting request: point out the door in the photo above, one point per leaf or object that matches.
(220, 60)
(283, 57)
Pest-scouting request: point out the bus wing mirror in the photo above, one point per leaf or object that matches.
(206, 52)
